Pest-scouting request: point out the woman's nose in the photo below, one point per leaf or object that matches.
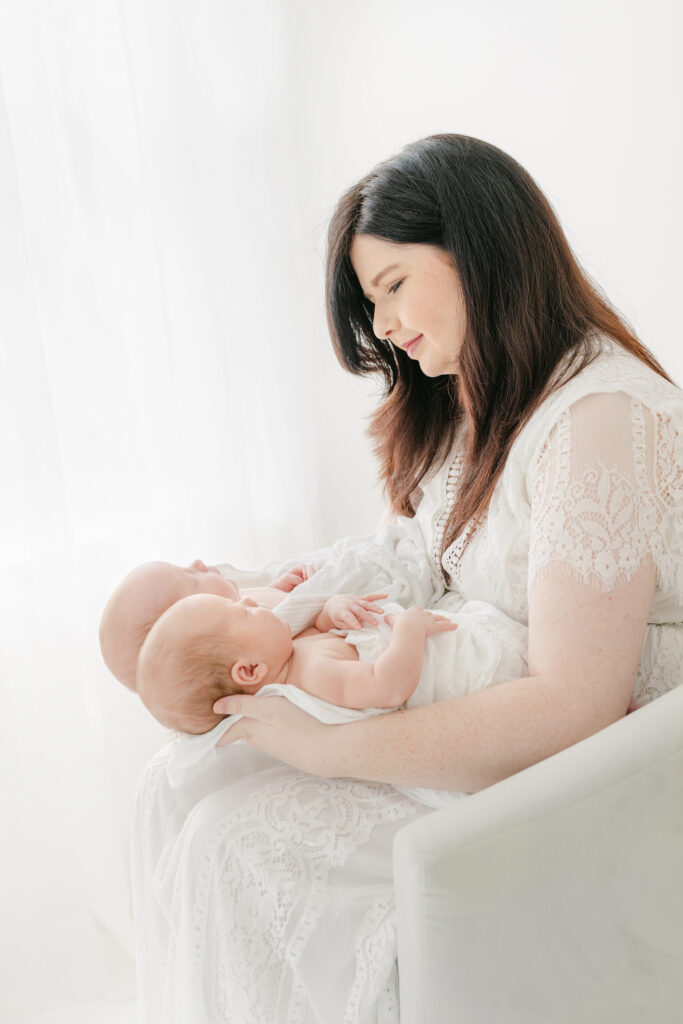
(384, 324)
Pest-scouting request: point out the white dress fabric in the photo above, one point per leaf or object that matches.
(264, 895)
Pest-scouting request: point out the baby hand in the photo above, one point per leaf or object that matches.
(429, 621)
(348, 611)
(293, 578)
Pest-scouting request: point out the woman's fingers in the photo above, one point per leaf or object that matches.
(233, 734)
(282, 730)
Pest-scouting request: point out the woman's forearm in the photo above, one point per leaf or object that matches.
(467, 743)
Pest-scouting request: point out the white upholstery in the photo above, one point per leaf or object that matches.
(555, 896)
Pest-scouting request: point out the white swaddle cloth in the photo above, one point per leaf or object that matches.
(392, 561)
(486, 649)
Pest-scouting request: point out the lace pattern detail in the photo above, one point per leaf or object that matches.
(261, 890)
(661, 663)
(667, 542)
(375, 946)
(448, 495)
(448, 565)
(602, 524)
(452, 558)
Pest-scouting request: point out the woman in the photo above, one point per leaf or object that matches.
(540, 446)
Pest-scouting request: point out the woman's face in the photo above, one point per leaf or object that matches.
(418, 299)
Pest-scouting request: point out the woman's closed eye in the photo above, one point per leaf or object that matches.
(395, 287)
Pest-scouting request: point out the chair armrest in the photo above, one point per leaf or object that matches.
(555, 896)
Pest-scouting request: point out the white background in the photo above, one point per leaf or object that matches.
(167, 385)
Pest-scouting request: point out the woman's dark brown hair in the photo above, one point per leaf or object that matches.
(532, 313)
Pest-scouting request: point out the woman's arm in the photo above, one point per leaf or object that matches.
(584, 651)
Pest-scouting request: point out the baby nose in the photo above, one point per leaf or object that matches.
(198, 564)
(249, 602)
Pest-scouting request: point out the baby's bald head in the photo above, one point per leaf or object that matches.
(141, 598)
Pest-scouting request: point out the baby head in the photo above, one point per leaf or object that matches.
(205, 647)
(138, 601)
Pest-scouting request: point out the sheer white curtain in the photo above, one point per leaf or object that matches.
(152, 404)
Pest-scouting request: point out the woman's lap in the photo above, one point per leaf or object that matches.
(265, 895)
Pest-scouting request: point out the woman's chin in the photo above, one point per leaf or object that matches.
(441, 370)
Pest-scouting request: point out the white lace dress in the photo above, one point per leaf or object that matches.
(264, 895)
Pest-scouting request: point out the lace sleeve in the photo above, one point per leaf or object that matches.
(606, 494)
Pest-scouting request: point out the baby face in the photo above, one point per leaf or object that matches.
(144, 595)
(258, 634)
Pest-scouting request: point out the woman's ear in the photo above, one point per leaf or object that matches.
(249, 674)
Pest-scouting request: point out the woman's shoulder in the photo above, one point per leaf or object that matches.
(613, 370)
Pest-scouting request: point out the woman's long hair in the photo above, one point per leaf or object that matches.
(532, 313)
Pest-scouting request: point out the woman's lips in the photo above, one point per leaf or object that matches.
(412, 345)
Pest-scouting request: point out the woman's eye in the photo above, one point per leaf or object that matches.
(395, 287)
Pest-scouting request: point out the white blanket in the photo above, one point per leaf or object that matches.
(393, 561)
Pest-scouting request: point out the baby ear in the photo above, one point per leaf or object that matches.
(249, 674)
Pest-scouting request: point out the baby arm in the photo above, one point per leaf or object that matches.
(272, 595)
(293, 578)
(391, 680)
(348, 611)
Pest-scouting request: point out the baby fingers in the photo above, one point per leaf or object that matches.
(444, 625)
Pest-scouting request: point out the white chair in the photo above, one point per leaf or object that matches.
(555, 896)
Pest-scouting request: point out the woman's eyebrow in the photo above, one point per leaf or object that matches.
(375, 281)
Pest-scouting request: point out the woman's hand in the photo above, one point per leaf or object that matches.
(348, 611)
(277, 727)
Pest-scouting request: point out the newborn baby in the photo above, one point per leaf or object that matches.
(150, 589)
(206, 647)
